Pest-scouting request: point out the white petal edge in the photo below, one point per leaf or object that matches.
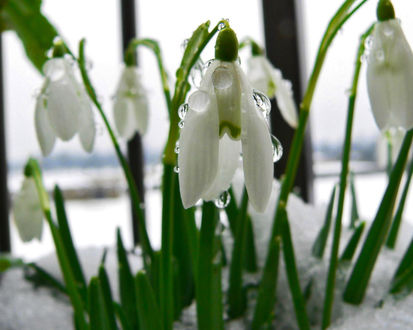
(228, 162)
(44, 132)
(257, 151)
(124, 115)
(198, 155)
(141, 113)
(284, 98)
(27, 212)
(87, 127)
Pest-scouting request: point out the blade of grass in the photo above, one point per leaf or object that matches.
(237, 300)
(217, 308)
(97, 315)
(321, 240)
(394, 230)
(352, 244)
(120, 314)
(149, 316)
(45, 277)
(107, 298)
(406, 261)
(360, 276)
(354, 217)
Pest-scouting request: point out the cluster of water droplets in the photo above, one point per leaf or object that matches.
(223, 200)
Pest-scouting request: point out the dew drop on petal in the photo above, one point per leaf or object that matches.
(182, 111)
(176, 169)
(197, 73)
(181, 124)
(379, 55)
(208, 63)
(262, 102)
(198, 101)
(221, 78)
(368, 43)
(277, 149)
(223, 200)
(177, 149)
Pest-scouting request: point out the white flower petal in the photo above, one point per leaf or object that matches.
(228, 162)
(198, 156)
(27, 211)
(124, 117)
(259, 74)
(141, 113)
(390, 76)
(87, 128)
(284, 98)
(257, 151)
(63, 103)
(44, 132)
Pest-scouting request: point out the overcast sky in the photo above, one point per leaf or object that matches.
(170, 22)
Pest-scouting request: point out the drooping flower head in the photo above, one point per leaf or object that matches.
(131, 105)
(268, 79)
(223, 121)
(62, 107)
(390, 72)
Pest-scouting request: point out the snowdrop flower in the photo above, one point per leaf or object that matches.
(28, 215)
(390, 72)
(223, 121)
(131, 105)
(63, 108)
(266, 78)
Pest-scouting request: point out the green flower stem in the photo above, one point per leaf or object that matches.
(341, 16)
(394, 230)
(204, 282)
(79, 308)
(236, 296)
(154, 46)
(166, 273)
(146, 244)
(331, 278)
(360, 276)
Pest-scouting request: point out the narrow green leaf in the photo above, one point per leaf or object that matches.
(107, 298)
(360, 276)
(68, 243)
(149, 315)
(126, 284)
(155, 275)
(406, 261)
(403, 283)
(237, 301)
(33, 29)
(97, 315)
(352, 244)
(120, 314)
(204, 283)
(394, 230)
(354, 217)
(217, 308)
(7, 262)
(44, 277)
(263, 312)
(292, 275)
(321, 240)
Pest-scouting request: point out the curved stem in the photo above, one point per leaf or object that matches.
(146, 245)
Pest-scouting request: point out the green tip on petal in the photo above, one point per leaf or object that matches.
(385, 10)
(28, 170)
(59, 49)
(226, 47)
(256, 50)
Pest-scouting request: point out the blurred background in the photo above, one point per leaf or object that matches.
(94, 186)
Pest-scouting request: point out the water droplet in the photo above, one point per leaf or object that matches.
(198, 101)
(181, 124)
(222, 25)
(183, 109)
(197, 73)
(208, 63)
(277, 149)
(379, 55)
(177, 147)
(223, 200)
(262, 102)
(388, 32)
(239, 60)
(176, 169)
(368, 42)
(222, 78)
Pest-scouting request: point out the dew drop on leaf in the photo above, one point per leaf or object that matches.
(277, 149)
(223, 200)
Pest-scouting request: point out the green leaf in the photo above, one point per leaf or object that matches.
(352, 244)
(120, 314)
(107, 298)
(355, 217)
(68, 243)
(149, 315)
(360, 276)
(403, 283)
(406, 261)
(7, 262)
(33, 29)
(217, 308)
(263, 312)
(97, 315)
(321, 240)
(42, 277)
(126, 285)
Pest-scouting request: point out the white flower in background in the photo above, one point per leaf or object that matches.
(131, 105)
(268, 79)
(28, 215)
(223, 121)
(63, 108)
(390, 72)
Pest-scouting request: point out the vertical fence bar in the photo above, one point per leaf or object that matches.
(4, 193)
(281, 41)
(135, 149)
